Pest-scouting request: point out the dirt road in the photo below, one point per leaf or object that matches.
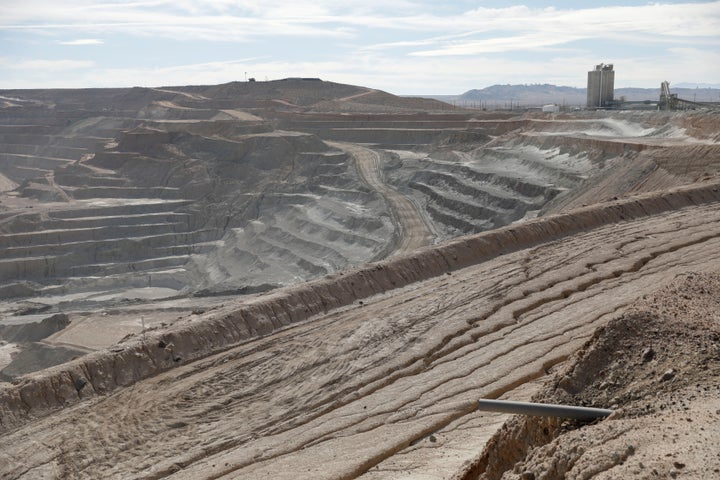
(381, 388)
(412, 230)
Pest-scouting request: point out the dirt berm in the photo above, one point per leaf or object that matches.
(394, 355)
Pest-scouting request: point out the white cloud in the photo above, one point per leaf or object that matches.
(83, 41)
(230, 20)
(502, 44)
(546, 27)
(181, 20)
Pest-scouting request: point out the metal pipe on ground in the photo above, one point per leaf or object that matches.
(542, 409)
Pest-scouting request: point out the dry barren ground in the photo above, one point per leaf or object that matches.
(384, 386)
(132, 219)
(658, 366)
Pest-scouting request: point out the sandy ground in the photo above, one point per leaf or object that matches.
(384, 388)
(658, 367)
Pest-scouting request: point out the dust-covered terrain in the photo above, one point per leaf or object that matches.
(304, 279)
(658, 366)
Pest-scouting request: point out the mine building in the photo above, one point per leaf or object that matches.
(601, 86)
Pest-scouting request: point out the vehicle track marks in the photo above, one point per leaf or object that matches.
(413, 230)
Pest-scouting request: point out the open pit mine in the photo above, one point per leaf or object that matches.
(302, 279)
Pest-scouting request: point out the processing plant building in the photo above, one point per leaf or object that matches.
(601, 86)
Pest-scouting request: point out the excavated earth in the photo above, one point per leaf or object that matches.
(301, 279)
(658, 366)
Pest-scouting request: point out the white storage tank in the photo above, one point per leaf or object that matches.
(550, 109)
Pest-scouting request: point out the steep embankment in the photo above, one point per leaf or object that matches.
(123, 198)
(658, 367)
(366, 371)
(640, 153)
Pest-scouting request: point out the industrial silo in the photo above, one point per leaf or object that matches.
(600, 86)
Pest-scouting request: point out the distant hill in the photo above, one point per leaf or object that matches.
(314, 94)
(526, 94)
(541, 94)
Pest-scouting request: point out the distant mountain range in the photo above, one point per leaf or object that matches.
(542, 94)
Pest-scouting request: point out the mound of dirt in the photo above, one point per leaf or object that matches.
(37, 356)
(34, 332)
(658, 367)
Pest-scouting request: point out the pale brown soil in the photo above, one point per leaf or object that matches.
(384, 385)
(658, 367)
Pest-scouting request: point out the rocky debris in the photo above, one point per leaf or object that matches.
(648, 354)
(664, 423)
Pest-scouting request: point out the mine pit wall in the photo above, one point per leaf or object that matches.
(577, 144)
(46, 263)
(393, 130)
(42, 392)
(653, 168)
(223, 128)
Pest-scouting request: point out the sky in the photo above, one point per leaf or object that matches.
(405, 47)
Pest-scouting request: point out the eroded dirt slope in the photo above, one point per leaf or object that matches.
(378, 384)
(658, 367)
